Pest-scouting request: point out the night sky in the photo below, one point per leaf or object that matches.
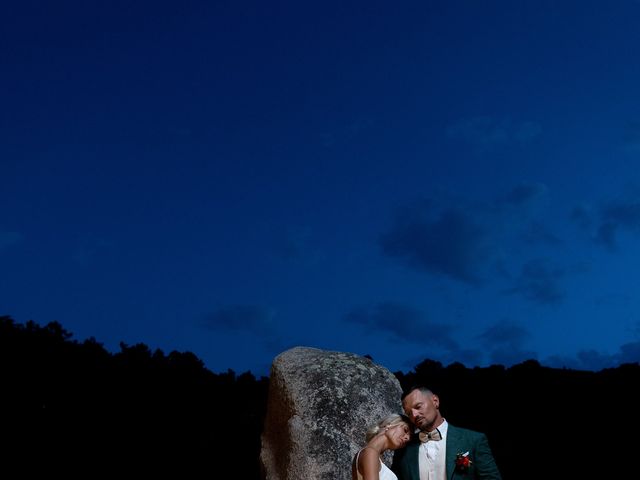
(454, 180)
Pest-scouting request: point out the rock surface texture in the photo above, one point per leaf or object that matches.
(319, 408)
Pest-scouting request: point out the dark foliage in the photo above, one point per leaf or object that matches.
(74, 408)
(543, 422)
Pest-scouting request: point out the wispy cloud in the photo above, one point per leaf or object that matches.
(593, 360)
(606, 223)
(504, 343)
(582, 216)
(616, 217)
(452, 244)
(629, 353)
(461, 239)
(539, 281)
(402, 323)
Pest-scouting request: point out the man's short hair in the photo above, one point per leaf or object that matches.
(418, 386)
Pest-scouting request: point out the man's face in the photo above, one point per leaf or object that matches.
(422, 409)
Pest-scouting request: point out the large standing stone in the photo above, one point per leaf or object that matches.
(320, 406)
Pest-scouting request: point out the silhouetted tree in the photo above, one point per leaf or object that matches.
(75, 408)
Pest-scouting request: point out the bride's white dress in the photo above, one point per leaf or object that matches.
(384, 474)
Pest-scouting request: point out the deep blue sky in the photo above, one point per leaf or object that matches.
(455, 180)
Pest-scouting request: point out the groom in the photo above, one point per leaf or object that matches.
(441, 451)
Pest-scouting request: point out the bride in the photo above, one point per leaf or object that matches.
(390, 433)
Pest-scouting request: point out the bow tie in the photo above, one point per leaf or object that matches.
(426, 436)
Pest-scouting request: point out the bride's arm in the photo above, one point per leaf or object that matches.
(369, 464)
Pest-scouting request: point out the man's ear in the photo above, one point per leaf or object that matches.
(436, 401)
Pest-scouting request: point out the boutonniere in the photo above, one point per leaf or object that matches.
(463, 462)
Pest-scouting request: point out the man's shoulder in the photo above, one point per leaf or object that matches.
(464, 432)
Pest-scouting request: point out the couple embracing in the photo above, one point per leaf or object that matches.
(436, 450)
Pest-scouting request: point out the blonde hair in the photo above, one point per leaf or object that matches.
(388, 421)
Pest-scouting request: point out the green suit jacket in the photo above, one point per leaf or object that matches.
(459, 440)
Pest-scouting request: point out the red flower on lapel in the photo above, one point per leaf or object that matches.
(463, 462)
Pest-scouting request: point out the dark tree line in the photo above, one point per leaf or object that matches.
(73, 407)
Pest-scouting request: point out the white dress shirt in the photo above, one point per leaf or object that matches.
(433, 455)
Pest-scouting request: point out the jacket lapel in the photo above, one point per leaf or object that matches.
(453, 447)
(414, 459)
